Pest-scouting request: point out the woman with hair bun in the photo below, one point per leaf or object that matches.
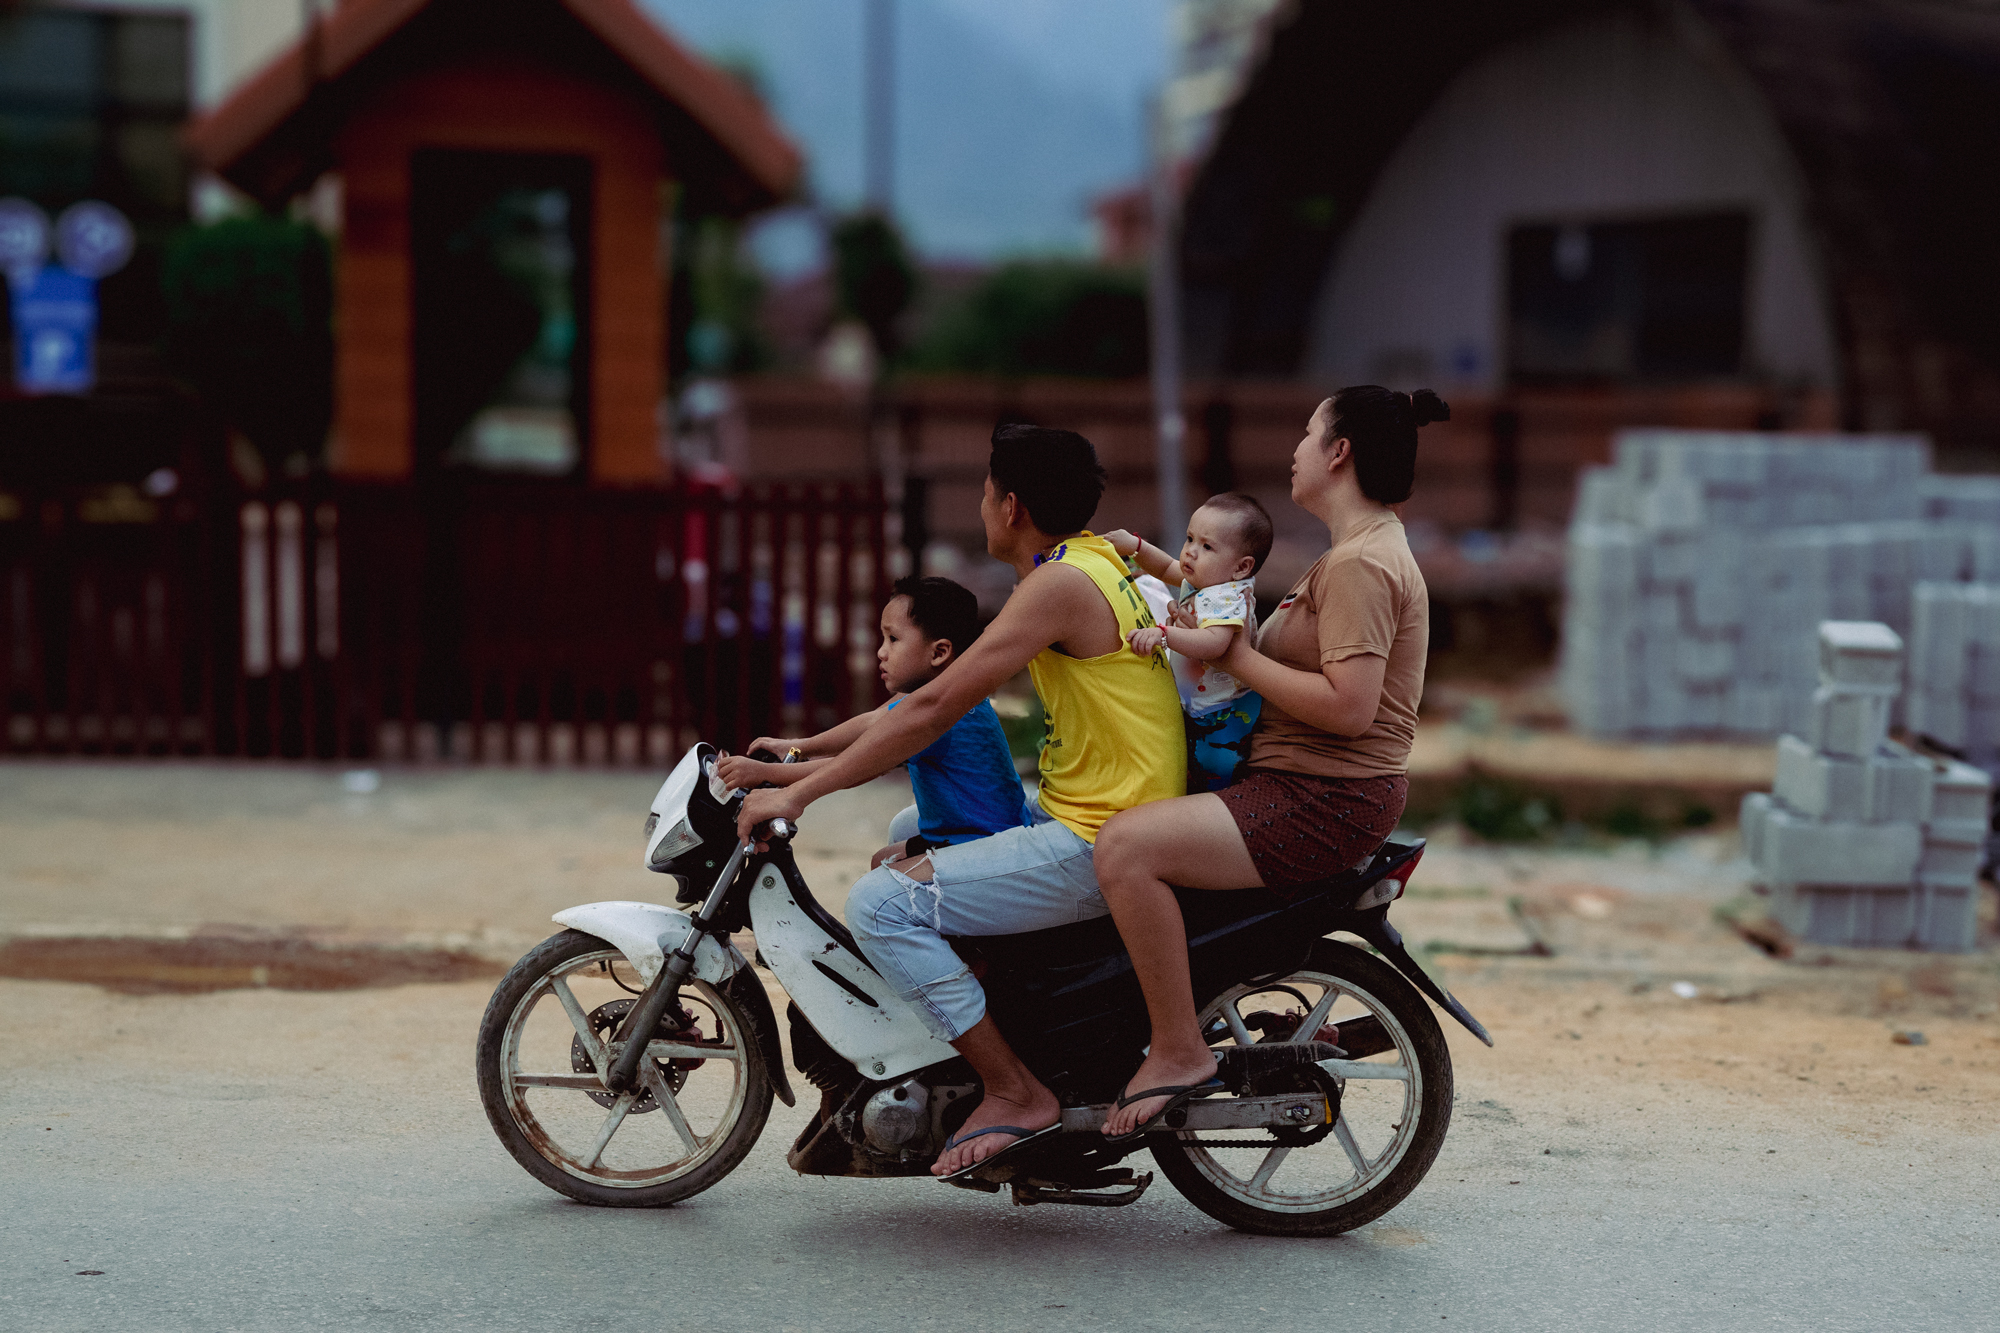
(1340, 666)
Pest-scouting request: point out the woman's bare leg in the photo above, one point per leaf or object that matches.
(1191, 841)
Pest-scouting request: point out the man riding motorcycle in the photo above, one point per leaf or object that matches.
(1113, 741)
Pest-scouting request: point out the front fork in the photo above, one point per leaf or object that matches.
(665, 991)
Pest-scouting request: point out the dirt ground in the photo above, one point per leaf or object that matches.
(1605, 974)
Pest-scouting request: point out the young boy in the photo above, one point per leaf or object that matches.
(965, 781)
(1228, 540)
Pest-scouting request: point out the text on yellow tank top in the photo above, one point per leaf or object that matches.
(1112, 735)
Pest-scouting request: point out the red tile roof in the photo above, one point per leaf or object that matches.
(714, 100)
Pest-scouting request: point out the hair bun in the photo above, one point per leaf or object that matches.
(1426, 407)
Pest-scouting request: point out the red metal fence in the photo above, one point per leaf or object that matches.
(484, 621)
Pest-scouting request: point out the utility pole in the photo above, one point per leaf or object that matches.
(879, 154)
(1164, 305)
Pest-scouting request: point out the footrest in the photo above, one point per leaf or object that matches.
(1028, 1191)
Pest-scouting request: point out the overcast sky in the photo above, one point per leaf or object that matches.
(1012, 114)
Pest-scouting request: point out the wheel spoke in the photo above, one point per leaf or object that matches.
(581, 1022)
(1269, 1166)
(1317, 1018)
(580, 1082)
(1352, 1149)
(664, 1099)
(1365, 1069)
(1233, 1016)
(611, 1123)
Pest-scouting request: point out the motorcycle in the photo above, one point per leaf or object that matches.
(631, 1060)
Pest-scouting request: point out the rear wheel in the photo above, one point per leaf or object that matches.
(703, 1095)
(1394, 1109)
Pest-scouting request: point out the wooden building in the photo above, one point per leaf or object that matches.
(502, 173)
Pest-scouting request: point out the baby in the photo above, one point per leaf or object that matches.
(965, 781)
(1228, 540)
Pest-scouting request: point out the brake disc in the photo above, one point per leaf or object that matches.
(604, 1021)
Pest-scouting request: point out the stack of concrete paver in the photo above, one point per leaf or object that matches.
(1864, 842)
(1954, 697)
(1700, 562)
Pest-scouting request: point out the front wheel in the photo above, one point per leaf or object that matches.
(1394, 1109)
(703, 1096)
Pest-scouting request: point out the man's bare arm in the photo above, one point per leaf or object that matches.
(841, 735)
(1053, 604)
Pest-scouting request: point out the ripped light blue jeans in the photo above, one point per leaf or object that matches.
(1020, 880)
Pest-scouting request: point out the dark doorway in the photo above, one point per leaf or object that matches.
(500, 245)
(1655, 300)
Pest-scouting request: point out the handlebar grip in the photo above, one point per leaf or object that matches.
(780, 830)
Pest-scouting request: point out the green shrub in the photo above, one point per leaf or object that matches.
(250, 324)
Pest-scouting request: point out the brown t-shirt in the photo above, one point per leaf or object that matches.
(1366, 595)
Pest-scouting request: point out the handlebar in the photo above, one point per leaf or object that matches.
(780, 830)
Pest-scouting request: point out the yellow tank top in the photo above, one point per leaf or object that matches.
(1112, 735)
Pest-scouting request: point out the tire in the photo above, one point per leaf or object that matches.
(1408, 1122)
(551, 1111)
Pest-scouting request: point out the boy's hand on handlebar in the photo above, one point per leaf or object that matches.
(1143, 642)
(764, 805)
(774, 744)
(738, 771)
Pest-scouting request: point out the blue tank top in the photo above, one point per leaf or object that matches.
(965, 781)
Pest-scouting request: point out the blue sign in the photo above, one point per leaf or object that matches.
(55, 320)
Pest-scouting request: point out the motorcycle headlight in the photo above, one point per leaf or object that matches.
(677, 841)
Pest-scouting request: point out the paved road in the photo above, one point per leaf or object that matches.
(262, 1160)
(259, 1160)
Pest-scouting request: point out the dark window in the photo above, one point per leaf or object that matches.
(1655, 300)
(500, 246)
(91, 105)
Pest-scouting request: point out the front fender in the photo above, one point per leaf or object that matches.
(643, 932)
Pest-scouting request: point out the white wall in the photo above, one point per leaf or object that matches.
(1615, 116)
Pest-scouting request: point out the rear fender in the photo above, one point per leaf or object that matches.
(643, 932)
(1373, 926)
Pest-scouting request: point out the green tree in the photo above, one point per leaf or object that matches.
(873, 278)
(1044, 317)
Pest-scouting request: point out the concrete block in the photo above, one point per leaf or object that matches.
(1799, 850)
(1674, 558)
(1751, 816)
(1982, 728)
(1701, 659)
(1860, 655)
(1946, 917)
(1846, 723)
(1951, 862)
(1753, 709)
(1960, 792)
(1818, 785)
(1717, 599)
(1899, 786)
(1940, 717)
(1847, 916)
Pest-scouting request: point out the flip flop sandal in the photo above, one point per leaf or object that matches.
(1022, 1138)
(1177, 1095)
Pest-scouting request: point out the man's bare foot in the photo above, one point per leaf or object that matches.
(1038, 1110)
(1163, 1069)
